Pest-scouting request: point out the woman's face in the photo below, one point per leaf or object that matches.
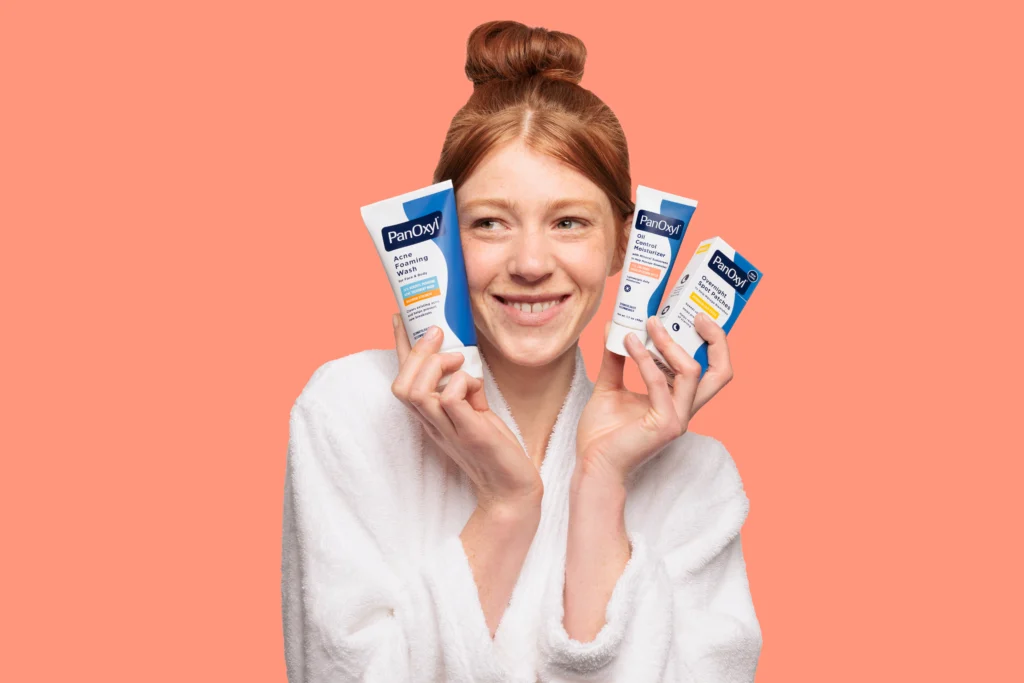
(539, 241)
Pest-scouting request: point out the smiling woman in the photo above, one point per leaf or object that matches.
(541, 240)
(533, 524)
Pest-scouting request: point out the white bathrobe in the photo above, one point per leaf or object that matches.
(376, 585)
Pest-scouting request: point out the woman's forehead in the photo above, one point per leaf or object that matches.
(516, 177)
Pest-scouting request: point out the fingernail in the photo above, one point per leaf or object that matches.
(703, 317)
(636, 339)
(394, 320)
(433, 332)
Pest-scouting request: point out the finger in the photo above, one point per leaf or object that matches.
(424, 396)
(685, 368)
(466, 420)
(657, 386)
(401, 338)
(719, 372)
(612, 367)
(475, 395)
(426, 346)
(434, 433)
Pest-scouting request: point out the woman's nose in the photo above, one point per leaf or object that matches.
(532, 257)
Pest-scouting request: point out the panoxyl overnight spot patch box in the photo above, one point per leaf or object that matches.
(718, 281)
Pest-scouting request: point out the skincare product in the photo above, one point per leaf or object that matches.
(659, 223)
(717, 281)
(417, 239)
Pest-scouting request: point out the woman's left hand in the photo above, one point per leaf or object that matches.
(620, 429)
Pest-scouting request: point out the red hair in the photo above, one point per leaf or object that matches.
(526, 86)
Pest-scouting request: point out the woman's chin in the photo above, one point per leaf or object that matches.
(532, 353)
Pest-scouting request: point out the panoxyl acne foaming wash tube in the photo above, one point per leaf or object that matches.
(718, 281)
(659, 223)
(417, 239)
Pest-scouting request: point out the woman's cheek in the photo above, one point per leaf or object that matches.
(586, 266)
(482, 265)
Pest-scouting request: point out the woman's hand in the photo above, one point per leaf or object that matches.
(459, 421)
(620, 429)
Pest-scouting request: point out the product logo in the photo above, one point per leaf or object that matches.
(731, 273)
(648, 221)
(412, 232)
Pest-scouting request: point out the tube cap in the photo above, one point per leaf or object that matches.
(617, 335)
(472, 365)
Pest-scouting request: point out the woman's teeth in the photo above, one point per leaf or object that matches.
(534, 307)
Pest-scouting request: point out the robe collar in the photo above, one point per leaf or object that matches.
(561, 448)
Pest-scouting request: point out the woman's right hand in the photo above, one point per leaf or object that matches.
(460, 422)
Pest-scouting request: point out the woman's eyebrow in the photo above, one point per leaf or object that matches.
(510, 206)
(496, 203)
(559, 204)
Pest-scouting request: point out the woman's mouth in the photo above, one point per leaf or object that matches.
(534, 311)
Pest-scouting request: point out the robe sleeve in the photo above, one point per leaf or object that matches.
(681, 609)
(349, 613)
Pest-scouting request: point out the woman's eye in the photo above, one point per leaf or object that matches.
(488, 224)
(568, 223)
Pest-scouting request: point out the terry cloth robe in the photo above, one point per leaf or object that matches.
(376, 585)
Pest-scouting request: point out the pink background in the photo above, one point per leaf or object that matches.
(179, 194)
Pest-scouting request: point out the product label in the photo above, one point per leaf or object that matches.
(673, 228)
(412, 232)
(731, 273)
(712, 283)
(419, 290)
(654, 242)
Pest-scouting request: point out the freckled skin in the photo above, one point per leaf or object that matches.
(533, 248)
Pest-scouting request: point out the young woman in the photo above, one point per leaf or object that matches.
(533, 525)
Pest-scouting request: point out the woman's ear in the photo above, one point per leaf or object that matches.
(621, 244)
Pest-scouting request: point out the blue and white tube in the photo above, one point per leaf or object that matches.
(660, 220)
(417, 239)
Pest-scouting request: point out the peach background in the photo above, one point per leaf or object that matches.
(179, 194)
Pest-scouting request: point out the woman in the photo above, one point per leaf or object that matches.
(532, 525)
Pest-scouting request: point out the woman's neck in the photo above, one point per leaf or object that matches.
(534, 394)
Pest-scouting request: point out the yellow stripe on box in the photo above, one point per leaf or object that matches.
(704, 247)
(708, 308)
(421, 296)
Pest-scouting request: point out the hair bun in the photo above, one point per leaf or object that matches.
(509, 51)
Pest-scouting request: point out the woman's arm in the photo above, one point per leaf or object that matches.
(508, 487)
(358, 604)
(676, 604)
(496, 541)
(679, 608)
(597, 551)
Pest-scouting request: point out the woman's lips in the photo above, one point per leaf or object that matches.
(532, 319)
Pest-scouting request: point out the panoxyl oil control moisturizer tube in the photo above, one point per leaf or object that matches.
(659, 223)
(417, 239)
(717, 281)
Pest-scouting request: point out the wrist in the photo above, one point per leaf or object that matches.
(597, 499)
(511, 511)
(593, 474)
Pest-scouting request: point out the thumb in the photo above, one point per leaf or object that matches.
(612, 366)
